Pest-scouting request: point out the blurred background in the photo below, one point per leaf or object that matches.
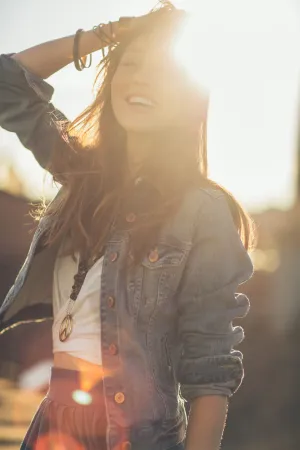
(247, 53)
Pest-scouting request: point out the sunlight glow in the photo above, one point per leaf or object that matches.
(266, 260)
(238, 41)
(246, 54)
(245, 51)
(57, 441)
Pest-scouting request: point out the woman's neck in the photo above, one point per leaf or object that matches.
(138, 147)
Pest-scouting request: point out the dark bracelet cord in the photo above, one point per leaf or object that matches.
(78, 61)
(104, 38)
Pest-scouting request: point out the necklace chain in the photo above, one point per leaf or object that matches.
(66, 326)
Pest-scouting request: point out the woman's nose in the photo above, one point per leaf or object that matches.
(143, 73)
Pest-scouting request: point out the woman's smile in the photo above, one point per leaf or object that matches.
(138, 104)
(138, 100)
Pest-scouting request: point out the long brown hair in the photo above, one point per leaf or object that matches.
(91, 164)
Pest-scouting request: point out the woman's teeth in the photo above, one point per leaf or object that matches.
(134, 100)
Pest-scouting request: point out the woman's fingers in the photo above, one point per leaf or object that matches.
(129, 25)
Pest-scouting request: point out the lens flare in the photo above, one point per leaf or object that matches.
(82, 397)
(246, 54)
(57, 441)
(230, 42)
(194, 50)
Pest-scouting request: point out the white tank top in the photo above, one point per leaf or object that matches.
(85, 339)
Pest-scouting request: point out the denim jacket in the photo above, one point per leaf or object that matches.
(170, 318)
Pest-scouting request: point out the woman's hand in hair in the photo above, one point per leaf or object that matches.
(133, 25)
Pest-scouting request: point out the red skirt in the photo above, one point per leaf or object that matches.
(68, 417)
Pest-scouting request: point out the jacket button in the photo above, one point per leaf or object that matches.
(113, 256)
(111, 302)
(153, 256)
(126, 445)
(131, 217)
(119, 398)
(113, 349)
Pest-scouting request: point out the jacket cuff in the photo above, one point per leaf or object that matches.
(211, 375)
(191, 392)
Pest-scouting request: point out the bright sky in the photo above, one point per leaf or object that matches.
(249, 54)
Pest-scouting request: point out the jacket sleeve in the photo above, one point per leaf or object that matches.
(26, 109)
(208, 303)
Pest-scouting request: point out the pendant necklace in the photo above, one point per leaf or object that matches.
(66, 326)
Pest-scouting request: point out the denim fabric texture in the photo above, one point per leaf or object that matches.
(171, 318)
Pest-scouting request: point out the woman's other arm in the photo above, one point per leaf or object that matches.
(206, 422)
(210, 369)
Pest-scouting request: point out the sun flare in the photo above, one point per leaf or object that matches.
(246, 54)
(238, 41)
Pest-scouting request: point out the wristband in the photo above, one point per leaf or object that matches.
(78, 61)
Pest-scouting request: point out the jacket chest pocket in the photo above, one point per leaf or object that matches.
(161, 273)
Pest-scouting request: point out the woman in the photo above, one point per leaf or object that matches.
(138, 257)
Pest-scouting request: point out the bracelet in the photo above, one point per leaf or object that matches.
(104, 38)
(124, 24)
(100, 33)
(78, 61)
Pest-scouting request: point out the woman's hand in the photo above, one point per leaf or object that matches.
(128, 25)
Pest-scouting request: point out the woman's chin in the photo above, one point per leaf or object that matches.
(134, 127)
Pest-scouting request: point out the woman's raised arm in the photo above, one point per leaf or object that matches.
(45, 59)
(25, 98)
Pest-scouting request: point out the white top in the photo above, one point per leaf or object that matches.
(85, 339)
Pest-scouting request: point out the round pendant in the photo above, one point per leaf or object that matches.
(66, 328)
